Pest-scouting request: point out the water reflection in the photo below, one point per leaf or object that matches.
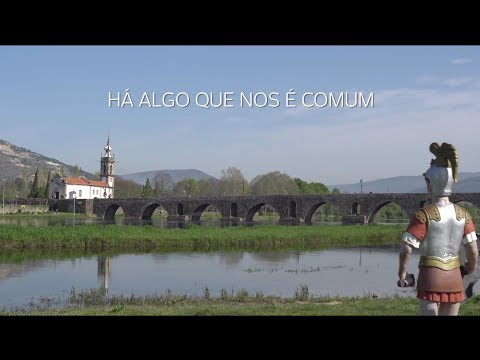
(104, 271)
(18, 269)
(275, 256)
(231, 260)
(345, 272)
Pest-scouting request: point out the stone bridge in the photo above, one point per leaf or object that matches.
(291, 208)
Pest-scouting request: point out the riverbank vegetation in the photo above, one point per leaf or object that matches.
(97, 302)
(194, 237)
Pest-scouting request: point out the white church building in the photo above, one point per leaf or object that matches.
(82, 188)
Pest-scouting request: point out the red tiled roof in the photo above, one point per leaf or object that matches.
(82, 181)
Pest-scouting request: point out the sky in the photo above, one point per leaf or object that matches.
(60, 101)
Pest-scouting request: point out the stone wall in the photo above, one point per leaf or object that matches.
(23, 209)
(82, 206)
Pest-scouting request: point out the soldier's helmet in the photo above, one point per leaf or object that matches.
(443, 171)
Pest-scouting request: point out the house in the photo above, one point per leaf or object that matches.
(82, 188)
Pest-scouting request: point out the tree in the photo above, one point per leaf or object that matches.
(303, 187)
(186, 187)
(76, 171)
(25, 181)
(163, 184)
(127, 189)
(208, 187)
(9, 188)
(232, 182)
(274, 183)
(19, 185)
(311, 188)
(391, 211)
(148, 191)
(61, 171)
(331, 210)
(45, 193)
(34, 191)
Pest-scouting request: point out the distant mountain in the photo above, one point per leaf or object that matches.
(174, 175)
(466, 185)
(14, 159)
(468, 182)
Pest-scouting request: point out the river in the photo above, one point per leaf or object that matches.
(344, 272)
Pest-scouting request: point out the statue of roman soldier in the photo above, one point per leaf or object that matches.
(439, 230)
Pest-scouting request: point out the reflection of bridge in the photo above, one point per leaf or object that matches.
(291, 208)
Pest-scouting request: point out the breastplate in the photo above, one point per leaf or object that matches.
(444, 237)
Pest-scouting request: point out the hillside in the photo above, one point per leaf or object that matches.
(468, 182)
(15, 161)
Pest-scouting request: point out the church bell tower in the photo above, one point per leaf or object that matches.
(107, 172)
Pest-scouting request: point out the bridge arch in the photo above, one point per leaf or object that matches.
(292, 209)
(311, 211)
(356, 208)
(251, 212)
(234, 210)
(197, 213)
(148, 211)
(179, 209)
(110, 212)
(372, 214)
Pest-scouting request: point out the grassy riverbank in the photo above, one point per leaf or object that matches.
(148, 238)
(94, 302)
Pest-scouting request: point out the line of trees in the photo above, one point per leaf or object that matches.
(36, 186)
(232, 182)
(24, 186)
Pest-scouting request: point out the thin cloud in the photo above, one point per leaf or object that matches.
(454, 82)
(390, 142)
(461, 61)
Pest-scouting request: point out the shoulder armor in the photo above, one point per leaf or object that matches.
(461, 213)
(432, 212)
(468, 217)
(421, 216)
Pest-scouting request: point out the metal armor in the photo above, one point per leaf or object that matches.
(441, 245)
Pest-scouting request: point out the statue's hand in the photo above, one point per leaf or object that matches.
(407, 281)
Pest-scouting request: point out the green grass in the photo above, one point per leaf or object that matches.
(94, 237)
(96, 302)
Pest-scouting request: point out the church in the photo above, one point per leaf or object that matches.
(82, 188)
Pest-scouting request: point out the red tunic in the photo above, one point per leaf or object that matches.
(419, 230)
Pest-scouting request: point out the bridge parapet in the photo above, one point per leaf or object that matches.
(291, 208)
